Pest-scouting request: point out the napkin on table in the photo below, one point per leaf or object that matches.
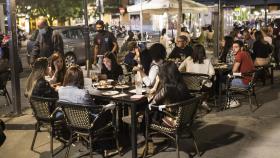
(119, 95)
(136, 96)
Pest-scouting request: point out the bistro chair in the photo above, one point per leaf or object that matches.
(45, 114)
(196, 84)
(264, 72)
(234, 92)
(184, 114)
(4, 78)
(90, 123)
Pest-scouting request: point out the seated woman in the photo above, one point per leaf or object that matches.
(132, 58)
(110, 67)
(226, 55)
(198, 63)
(158, 54)
(58, 69)
(73, 87)
(36, 83)
(171, 89)
(261, 50)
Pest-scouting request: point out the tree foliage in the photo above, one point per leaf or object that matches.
(61, 10)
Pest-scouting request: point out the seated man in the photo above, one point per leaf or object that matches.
(243, 63)
(182, 49)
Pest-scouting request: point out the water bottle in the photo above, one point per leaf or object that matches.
(138, 83)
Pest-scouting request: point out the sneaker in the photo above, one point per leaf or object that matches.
(234, 103)
(205, 106)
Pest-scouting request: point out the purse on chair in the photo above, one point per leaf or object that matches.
(2, 134)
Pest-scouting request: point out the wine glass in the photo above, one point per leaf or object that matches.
(121, 81)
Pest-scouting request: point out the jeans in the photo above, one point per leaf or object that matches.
(237, 82)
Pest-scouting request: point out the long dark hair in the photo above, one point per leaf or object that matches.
(198, 54)
(157, 52)
(61, 73)
(112, 57)
(171, 79)
(74, 77)
(259, 37)
(228, 45)
(146, 60)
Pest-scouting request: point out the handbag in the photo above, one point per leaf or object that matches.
(2, 134)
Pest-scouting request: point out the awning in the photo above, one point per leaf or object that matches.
(161, 6)
(240, 2)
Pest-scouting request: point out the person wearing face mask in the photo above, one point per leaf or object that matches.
(104, 41)
(46, 42)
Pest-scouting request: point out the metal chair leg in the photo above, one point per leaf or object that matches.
(90, 145)
(146, 133)
(35, 135)
(51, 139)
(195, 144)
(69, 145)
(250, 101)
(117, 129)
(8, 96)
(177, 146)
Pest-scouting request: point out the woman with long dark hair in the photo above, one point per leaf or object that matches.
(58, 68)
(261, 50)
(73, 87)
(198, 63)
(158, 54)
(172, 87)
(110, 67)
(226, 51)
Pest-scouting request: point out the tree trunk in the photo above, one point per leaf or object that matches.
(179, 20)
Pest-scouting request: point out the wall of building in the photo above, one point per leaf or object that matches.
(2, 19)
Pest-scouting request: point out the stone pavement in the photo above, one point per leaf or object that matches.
(233, 133)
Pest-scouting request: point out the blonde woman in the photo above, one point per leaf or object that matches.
(36, 83)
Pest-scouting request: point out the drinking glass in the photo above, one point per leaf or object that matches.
(94, 77)
(121, 81)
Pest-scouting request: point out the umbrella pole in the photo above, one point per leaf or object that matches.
(141, 21)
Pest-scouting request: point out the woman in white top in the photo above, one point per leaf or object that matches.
(198, 63)
(158, 54)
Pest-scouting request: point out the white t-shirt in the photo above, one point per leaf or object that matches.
(189, 66)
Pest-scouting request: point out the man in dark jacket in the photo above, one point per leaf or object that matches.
(182, 49)
(47, 41)
(104, 41)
